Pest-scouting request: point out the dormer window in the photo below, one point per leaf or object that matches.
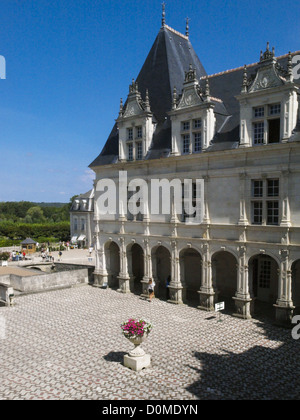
(191, 136)
(130, 151)
(197, 124)
(197, 142)
(186, 144)
(129, 133)
(186, 126)
(139, 150)
(266, 124)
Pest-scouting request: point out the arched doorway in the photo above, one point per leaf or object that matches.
(263, 283)
(191, 274)
(135, 255)
(161, 268)
(224, 276)
(296, 286)
(112, 257)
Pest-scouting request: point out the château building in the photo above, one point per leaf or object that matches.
(239, 131)
(82, 219)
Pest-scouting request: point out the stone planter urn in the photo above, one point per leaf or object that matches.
(137, 359)
(137, 341)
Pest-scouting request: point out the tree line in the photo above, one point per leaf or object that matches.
(43, 222)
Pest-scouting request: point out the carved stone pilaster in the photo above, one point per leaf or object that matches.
(284, 305)
(242, 297)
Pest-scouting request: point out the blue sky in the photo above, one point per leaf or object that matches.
(68, 63)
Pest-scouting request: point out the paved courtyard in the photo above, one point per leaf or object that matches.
(67, 344)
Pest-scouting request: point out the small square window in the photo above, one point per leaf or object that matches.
(185, 126)
(257, 189)
(197, 124)
(259, 112)
(274, 109)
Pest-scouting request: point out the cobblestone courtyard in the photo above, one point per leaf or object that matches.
(67, 344)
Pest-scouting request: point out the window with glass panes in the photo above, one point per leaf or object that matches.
(197, 142)
(186, 144)
(264, 210)
(139, 150)
(130, 151)
(257, 212)
(130, 133)
(265, 274)
(259, 132)
(273, 187)
(185, 126)
(266, 124)
(139, 132)
(273, 213)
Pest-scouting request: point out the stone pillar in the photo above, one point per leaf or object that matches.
(124, 278)
(286, 213)
(147, 268)
(100, 273)
(182, 278)
(243, 221)
(175, 287)
(284, 305)
(206, 218)
(206, 293)
(242, 297)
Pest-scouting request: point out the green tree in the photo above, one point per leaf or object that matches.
(34, 215)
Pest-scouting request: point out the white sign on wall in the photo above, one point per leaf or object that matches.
(219, 306)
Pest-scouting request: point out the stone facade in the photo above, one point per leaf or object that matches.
(245, 145)
(82, 219)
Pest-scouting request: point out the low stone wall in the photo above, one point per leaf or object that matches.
(44, 282)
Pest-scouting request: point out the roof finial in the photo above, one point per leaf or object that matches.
(207, 89)
(163, 20)
(290, 68)
(187, 33)
(174, 105)
(245, 80)
(147, 102)
(121, 108)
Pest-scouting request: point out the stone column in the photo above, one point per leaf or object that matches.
(286, 213)
(124, 278)
(100, 273)
(206, 293)
(242, 297)
(206, 218)
(175, 287)
(284, 305)
(243, 221)
(182, 277)
(147, 268)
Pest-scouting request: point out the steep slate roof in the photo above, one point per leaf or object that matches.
(165, 67)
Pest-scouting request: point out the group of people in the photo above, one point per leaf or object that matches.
(151, 286)
(17, 256)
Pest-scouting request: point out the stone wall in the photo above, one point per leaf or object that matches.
(44, 282)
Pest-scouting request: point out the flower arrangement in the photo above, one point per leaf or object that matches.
(136, 328)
